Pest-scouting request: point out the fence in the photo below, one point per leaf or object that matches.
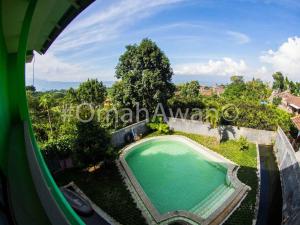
(118, 137)
(222, 132)
(290, 179)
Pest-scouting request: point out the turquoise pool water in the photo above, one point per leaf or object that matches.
(175, 176)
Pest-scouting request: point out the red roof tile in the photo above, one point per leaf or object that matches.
(294, 100)
(296, 121)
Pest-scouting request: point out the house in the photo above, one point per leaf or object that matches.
(296, 121)
(290, 102)
(209, 91)
(205, 91)
(296, 142)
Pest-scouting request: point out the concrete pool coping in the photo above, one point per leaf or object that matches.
(217, 217)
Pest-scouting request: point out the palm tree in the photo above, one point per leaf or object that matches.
(213, 117)
(45, 102)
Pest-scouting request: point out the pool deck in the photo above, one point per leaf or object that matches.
(150, 212)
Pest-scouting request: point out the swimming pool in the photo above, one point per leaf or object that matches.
(176, 177)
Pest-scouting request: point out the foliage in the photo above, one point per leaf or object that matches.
(213, 117)
(92, 142)
(185, 106)
(63, 146)
(30, 88)
(282, 83)
(145, 74)
(157, 124)
(189, 90)
(54, 121)
(243, 143)
(235, 88)
(279, 81)
(105, 187)
(259, 116)
(92, 91)
(254, 90)
(277, 101)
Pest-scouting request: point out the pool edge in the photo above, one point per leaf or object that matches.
(219, 216)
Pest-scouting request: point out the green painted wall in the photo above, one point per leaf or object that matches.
(26, 204)
(4, 113)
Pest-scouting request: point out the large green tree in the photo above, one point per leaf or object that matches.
(190, 89)
(279, 82)
(91, 91)
(146, 76)
(235, 88)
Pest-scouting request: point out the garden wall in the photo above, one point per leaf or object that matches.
(290, 179)
(118, 137)
(222, 132)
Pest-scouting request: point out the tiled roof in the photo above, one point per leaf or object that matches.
(296, 121)
(294, 100)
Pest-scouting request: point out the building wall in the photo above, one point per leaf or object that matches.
(290, 179)
(223, 132)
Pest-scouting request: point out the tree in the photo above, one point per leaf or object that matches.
(92, 91)
(45, 102)
(30, 88)
(146, 76)
(213, 117)
(235, 88)
(254, 90)
(92, 142)
(190, 89)
(237, 79)
(257, 90)
(277, 101)
(279, 81)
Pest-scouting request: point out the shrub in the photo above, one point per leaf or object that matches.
(243, 144)
(157, 124)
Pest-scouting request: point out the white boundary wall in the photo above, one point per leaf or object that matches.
(222, 132)
(118, 137)
(290, 179)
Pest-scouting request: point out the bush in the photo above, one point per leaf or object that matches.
(243, 144)
(157, 124)
(277, 101)
(61, 147)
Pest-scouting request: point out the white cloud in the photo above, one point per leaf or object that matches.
(51, 68)
(238, 37)
(108, 23)
(224, 67)
(286, 58)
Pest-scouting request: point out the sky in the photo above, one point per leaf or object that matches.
(211, 39)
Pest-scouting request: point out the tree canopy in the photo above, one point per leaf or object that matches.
(146, 76)
(189, 89)
(91, 91)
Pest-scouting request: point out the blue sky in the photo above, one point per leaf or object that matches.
(202, 38)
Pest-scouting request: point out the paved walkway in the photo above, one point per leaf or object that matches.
(270, 205)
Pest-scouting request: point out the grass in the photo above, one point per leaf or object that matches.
(106, 188)
(247, 172)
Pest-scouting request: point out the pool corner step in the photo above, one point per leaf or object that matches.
(215, 199)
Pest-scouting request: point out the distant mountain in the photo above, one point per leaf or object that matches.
(207, 80)
(44, 85)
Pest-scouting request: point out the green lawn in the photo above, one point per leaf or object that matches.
(106, 188)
